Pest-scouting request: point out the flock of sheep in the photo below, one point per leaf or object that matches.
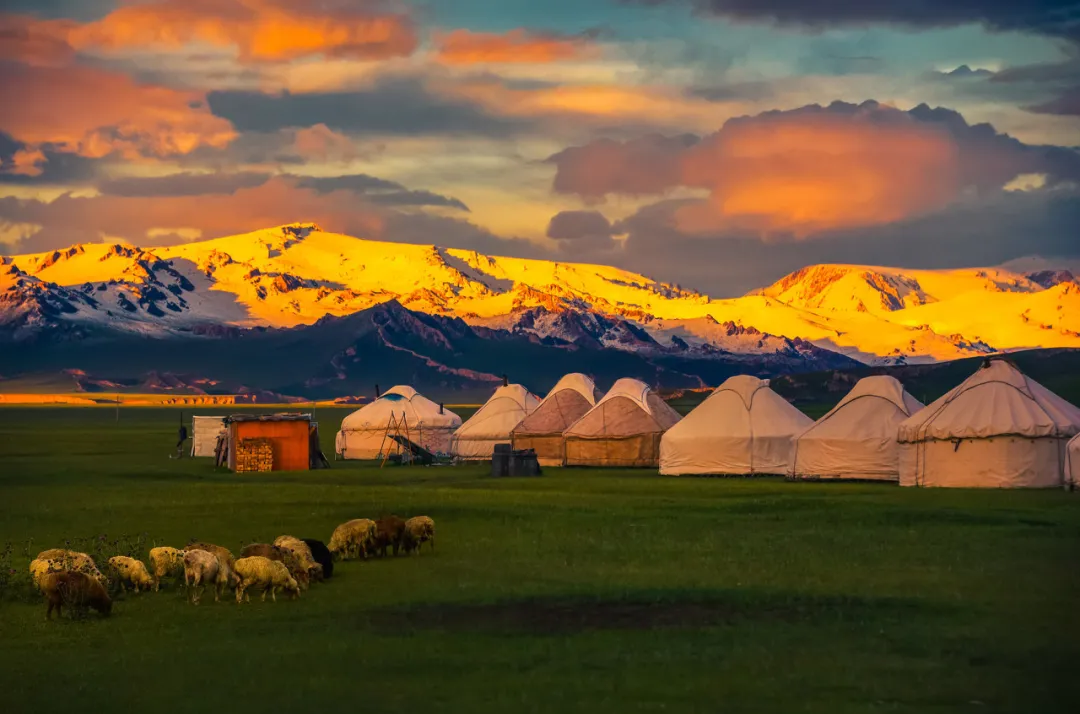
(71, 579)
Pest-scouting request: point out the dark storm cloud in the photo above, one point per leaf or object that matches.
(183, 184)
(581, 231)
(379, 191)
(54, 167)
(1066, 104)
(1057, 18)
(395, 106)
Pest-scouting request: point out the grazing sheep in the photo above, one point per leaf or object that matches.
(265, 573)
(200, 568)
(165, 561)
(418, 530)
(73, 560)
(273, 552)
(74, 589)
(353, 539)
(303, 553)
(132, 572)
(322, 556)
(224, 554)
(388, 534)
(39, 567)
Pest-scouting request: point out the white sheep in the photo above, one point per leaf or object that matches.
(418, 530)
(200, 568)
(268, 574)
(352, 539)
(74, 561)
(132, 572)
(302, 552)
(165, 561)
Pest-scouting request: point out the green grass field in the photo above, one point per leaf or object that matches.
(582, 591)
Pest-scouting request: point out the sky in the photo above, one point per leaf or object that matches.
(715, 144)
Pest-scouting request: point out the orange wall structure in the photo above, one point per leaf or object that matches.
(289, 439)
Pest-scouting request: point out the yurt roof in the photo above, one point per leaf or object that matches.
(647, 413)
(727, 411)
(578, 382)
(567, 401)
(881, 387)
(632, 389)
(401, 400)
(997, 400)
(874, 404)
(499, 414)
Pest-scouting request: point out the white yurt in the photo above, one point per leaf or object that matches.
(998, 429)
(1072, 463)
(542, 431)
(403, 410)
(205, 431)
(623, 429)
(743, 428)
(857, 438)
(493, 422)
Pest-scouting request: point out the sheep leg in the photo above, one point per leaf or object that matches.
(273, 593)
(265, 588)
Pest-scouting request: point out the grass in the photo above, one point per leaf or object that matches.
(582, 591)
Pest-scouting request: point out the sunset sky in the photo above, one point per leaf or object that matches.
(714, 143)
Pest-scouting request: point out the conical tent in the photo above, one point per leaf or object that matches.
(623, 429)
(1072, 463)
(742, 428)
(363, 433)
(857, 438)
(493, 422)
(998, 429)
(542, 430)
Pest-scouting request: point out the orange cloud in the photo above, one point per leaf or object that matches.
(322, 143)
(259, 30)
(516, 46)
(95, 113)
(32, 41)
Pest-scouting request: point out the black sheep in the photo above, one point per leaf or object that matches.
(321, 554)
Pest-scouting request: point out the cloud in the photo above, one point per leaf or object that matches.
(576, 231)
(182, 184)
(814, 168)
(322, 143)
(379, 191)
(1066, 104)
(257, 30)
(1047, 17)
(393, 106)
(95, 113)
(514, 47)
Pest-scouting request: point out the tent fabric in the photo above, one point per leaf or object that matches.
(493, 422)
(857, 438)
(542, 431)
(997, 429)
(205, 431)
(743, 428)
(363, 433)
(623, 429)
(1072, 463)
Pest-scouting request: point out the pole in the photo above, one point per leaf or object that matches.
(117, 407)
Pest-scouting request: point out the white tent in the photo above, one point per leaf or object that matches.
(857, 438)
(623, 429)
(998, 429)
(363, 433)
(1072, 463)
(542, 431)
(742, 428)
(493, 422)
(205, 431)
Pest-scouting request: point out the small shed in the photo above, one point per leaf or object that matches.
(269, 442)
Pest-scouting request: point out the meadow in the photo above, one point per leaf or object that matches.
(581, 591)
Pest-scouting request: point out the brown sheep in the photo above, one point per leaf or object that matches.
(302, 552)
(283, 555)
(389, 532)
(418, 530)
(74, 589)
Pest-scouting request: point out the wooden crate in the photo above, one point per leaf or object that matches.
(256, 454)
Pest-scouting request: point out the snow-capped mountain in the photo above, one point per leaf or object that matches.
(297, 274)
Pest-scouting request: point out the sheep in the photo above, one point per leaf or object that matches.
(273, 552)
(131, 571)
(265, 573)
(39, 567)
(301, 550)
(418, 529)
(353, 539)
(224, 554)
(388, 534)
(165, 561)
(322, 556)
(73, 560)
(202, 567)
(74, 589)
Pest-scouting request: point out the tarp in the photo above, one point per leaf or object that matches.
(493, 422)
(857, 438)
(623, 429)
(997, 429)
(205, 431)
(542, 431)
(743, 428)
(1072, 460)
(429, 425)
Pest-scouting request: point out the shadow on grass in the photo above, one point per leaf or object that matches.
(667, 610)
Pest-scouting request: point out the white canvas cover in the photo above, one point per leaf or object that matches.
(493, 422)
(204, 434)
(362, 434)
(570, 398)
(742, 428)
(623, 429)
(997, 429)
(1072, 463)
(857, 438)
